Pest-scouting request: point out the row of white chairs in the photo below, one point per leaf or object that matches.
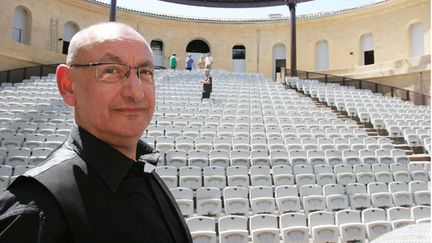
(194, 178)
(345, 225)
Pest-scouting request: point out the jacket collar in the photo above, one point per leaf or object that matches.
(110, 164)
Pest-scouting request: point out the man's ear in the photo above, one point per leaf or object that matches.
(64, 84)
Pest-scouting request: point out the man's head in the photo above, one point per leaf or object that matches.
(112, 101)
(207, 72)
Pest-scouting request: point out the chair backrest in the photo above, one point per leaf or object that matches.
(263, 221)
(375, 187)
(182, 193)
(208, 193)
(232, 222)
(166, 171)
(353, 188)
(420, 212)
(281, 170)
(373, 214)
(235, 192)
(292, 220)
(302, 169)
(286, 190)
(259, 170)
(237, 170)
(347, 216)
(342, 169)
(397, 186)
(321, 218)
(307, 190)
(201, 223)
(190, 171)
(380, 168)
(213, 170)
(417, 186)
(395, 213)
(396, 167)
(260, 191)
(333, 189)
(358, 168)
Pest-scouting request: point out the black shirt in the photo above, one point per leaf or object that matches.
(208, 87)
(137, 209)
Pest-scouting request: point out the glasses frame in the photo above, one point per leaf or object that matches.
(96, 64)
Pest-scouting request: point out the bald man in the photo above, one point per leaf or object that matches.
(100, 185)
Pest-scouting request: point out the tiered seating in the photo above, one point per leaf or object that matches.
(399, 118)
(256, 162)
(33, 121)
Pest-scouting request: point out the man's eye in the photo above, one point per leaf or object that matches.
(145, 72)
(112, 70)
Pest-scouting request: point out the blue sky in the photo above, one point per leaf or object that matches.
(156, 6)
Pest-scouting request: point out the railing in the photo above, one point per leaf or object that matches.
(19, 74)
(408, 95)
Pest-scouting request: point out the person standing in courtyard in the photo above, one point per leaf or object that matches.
(173, 61)
(189, 62)
(207, 85)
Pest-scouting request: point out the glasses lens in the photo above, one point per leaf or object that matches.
(111, 73)
(146, 76)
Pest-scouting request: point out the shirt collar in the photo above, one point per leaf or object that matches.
(110, 164)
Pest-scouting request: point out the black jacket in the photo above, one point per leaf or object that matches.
(90, 192)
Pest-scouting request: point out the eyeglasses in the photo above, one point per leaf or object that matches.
(114, 73)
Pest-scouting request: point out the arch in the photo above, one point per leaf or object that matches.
(321, 55)
(21, 25)
(157, 47)
(416, 39)
(198, 46)
(239, 58)
(279, 58)
(70, 29)
(367, 49)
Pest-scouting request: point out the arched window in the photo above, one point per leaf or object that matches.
(321, 55)
(158, 52)
(197, 46)
(416, 33)
(367, 49)
(279, 58)
(70, 29)
(239, 58)
(21, 25)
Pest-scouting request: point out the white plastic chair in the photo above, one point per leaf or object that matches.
(357, 195)
(169, 175)
(233, 229)
(312, 198)
(399, 217)
(322, 227)
(190, 177)
(335, 197)
(264, 228)
(287, 199)
(238, 176)
(293, 228)
(202, 229)
(208, 201)
(236, 200)
(350, 226)
(376, 222)
(262, 200)
(214, 176)
(184, 199)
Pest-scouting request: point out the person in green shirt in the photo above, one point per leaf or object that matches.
(173, 61)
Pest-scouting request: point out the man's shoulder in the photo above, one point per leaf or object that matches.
(60, 159)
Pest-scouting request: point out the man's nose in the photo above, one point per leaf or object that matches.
(133, 88)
